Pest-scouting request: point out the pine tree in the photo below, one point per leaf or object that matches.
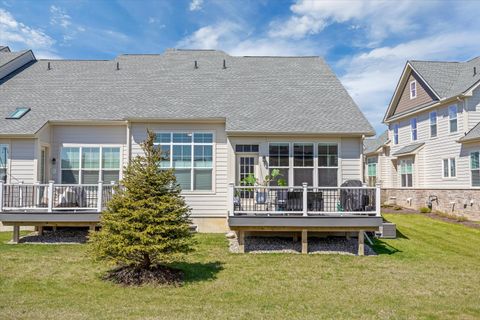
(146, 223)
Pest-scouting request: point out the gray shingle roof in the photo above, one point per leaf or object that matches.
(253, 94)
(372, 144)
(448, 79)
(408, 149)
(6, 57)
(473, 134)
(4, 49)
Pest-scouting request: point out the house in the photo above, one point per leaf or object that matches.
(376, 150)
(433, 124)
(69, 126)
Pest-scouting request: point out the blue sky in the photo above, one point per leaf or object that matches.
(366, 42)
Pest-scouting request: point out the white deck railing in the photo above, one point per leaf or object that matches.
(53, 197)
(303, 201)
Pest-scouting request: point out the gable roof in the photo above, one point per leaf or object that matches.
(473, 134)
(445, 79)
(371, 145)
(408, 149)
(298, 95)
(4, 49)
(7, 56)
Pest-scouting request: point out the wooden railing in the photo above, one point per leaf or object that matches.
(303, 201)
(53, 197)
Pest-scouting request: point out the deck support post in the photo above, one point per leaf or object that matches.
(231, 195)
(16, 234)
(40, 230)
(304, 241)
(92, 227)
(361, 243)
(241, 241)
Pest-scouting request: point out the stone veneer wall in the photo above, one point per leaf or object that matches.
(461, 202)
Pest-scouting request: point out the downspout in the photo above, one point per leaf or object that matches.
(129, 142)
(362, 159)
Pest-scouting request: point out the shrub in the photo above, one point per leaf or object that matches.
(425, 210)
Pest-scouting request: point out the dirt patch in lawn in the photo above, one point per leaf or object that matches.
(156, 275)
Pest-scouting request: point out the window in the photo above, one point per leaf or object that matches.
(18, 113)
(452, 116)
(413, 128)
(475, 168)
(406, 173)
(449, 168)
(279, 158)
(413, 89)
(89, 165)
(395, 133)
(433, 124)
(327, 164)
(372, 171)
(303, 163)
(3, 162)
(191, 155)
(247, 148)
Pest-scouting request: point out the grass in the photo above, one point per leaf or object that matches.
(432, 271)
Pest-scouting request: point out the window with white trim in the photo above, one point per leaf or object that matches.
(433, 124)
(327, 165)
(372, 170)
(89, 165)
(452, 116)
(303, 163)
(475, 168)
(449, 168)
(413, 89)
(3, 162)
(413, 129)
(190, 154)
(395, 133)
(406, 172)
(279, 158)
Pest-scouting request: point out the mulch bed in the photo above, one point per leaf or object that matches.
(156, 275)
(433, 215)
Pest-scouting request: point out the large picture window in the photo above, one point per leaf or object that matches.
(406, 173)
(3, 162)
(303, 163)
(475, 168)
(191, 155)
(279, 158)
(327, 165)
(89, 165)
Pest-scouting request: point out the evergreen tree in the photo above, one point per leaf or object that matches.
(146, 223)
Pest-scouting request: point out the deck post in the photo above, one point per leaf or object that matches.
(50, 195)
(241, 241)
(16, 234)
(378, 205)
(2, 186)
(40, 230)
(361, 243)
(99, 196)
(305, 199)
(230, 204)
(304, 241)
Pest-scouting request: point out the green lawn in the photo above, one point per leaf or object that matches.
(432, 271)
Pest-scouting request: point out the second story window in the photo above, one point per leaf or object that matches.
(413, 128)
(452, 116)
(433, 124)
(413, 89)
(395, 133)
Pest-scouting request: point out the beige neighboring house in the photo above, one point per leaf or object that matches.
(68, 128)
(376, 152)
(433, 124)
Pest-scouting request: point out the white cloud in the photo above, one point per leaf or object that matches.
(59, 16)
(211, 37)
(371, 77)
(195, 5)
(14, 33)
(379, 18)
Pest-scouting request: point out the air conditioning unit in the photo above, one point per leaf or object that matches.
(388, 230)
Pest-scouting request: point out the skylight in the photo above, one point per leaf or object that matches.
(18, 113)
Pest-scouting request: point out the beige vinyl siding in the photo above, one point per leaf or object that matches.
(21, 160)
(473, 106)
(350, 159)
(203, 203)
(83, 135)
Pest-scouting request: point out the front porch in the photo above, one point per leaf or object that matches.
(303, 210)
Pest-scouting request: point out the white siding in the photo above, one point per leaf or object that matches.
(21, 160)
(350, 162)
(202, 203)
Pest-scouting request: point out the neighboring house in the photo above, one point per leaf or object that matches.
(376, 150)
(433, 128)
(217, 117)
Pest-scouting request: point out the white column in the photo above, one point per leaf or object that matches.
(230, 196)
(305, 199)
(36, 191)
(50, 195)
(377, 199)
(2, 187)
(99, 196)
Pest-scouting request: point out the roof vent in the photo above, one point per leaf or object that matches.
(118, 65)
(474, 71)
(224, 64)
(196, 65)
(49, 67)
